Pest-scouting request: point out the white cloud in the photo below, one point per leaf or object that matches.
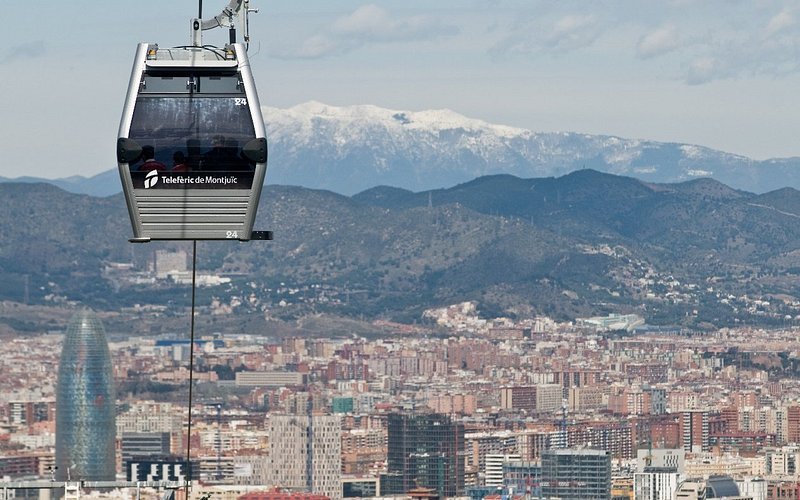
(768, 46)
(317, 46)
(780, 22)
(706, 69)
(661, 41)
(366, 25)
(567, 33)
(573, 32)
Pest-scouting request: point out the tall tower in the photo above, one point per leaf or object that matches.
(85, 403)
(425, 450)
(695, 430)
(306, 453)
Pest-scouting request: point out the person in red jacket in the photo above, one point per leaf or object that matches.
(150, 163)
(179, 163)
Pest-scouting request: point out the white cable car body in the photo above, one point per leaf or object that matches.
(191, 147)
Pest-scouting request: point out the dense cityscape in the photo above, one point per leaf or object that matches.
(596, 408)
(505, 251)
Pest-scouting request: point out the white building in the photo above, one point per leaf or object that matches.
(755, 488)
(660, 458)
(167, 262)
(783, 462)
(150, 417)
(656, 485)
(269, 379)
(494, 468)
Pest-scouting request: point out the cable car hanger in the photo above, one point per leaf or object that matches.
(192, 147)
(240, 9)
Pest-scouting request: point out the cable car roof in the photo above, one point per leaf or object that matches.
(190, 57)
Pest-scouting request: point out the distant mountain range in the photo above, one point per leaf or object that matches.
(351, 149)
(697, 253)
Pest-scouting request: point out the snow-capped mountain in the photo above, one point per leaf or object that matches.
(354, 148)
(349, 149)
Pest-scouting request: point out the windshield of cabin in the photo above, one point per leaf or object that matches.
(192, 133)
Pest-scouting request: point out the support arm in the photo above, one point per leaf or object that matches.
(238, 9)
(224, 18)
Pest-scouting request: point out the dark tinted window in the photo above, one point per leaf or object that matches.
(183, 83)
(204, 133)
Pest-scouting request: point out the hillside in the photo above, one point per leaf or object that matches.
(588, 243)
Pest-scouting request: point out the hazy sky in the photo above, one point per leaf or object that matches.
(723, 74)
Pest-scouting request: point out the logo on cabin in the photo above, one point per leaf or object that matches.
(151, 179)
(159, 179)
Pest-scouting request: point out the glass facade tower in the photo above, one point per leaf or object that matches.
(85, 403)
(425, 450)
(576, 474)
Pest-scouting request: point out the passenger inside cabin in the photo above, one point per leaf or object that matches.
(179, 163)
(214, 159)
(150, 163)
(225, 156)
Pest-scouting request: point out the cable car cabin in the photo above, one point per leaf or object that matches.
(192, 148)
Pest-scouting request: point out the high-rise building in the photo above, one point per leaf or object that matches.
(425, 450)
(85, 403)
(518, 398)
(695, 430)
(532, 399)
(30, 412)
(658, 473)
(793, 424)
(658, 400)
(615, 437)
(784, 461)
(305, 453)
(576, 474)
(656, 483)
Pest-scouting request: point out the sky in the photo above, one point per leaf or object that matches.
(721, 74)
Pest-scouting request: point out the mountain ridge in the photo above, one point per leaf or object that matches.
(350, 149)
(584, 244)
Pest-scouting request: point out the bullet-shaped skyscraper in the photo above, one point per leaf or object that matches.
(85, 403)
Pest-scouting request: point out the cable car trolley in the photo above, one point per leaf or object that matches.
(192, 148)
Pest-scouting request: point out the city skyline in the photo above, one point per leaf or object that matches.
(667, 408)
